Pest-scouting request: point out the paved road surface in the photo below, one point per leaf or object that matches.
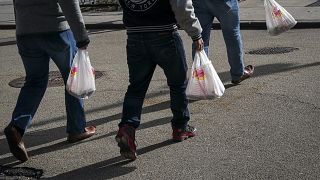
(266, 128)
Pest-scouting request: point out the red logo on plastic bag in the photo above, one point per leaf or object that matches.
(74, 71)
(199, 74)
(276, 12)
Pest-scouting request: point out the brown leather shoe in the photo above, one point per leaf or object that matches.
(248, 71)
(90, 130)
(15, 143)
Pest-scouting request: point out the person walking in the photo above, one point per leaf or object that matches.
(43, 33)
(153, 39)
(227, 12)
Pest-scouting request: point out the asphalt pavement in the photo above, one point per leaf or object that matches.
(266, 128)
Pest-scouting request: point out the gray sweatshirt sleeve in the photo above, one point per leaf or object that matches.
(184, 14)
(72, 12)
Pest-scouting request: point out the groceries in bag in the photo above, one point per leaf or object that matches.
(278, 20)
(204, 82)
(81, 80)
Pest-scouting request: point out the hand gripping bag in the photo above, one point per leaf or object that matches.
(81, 80)
(204, 82)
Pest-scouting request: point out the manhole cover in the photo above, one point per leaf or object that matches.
(315, 4)
(21, 171)
(272, 50)
(55, 79)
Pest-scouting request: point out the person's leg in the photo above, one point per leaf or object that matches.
(141, 70)
(61, 47)
(36, 64)
(168, 52)
(205, 18)
(230, 24)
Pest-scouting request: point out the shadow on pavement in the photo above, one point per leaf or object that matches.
(262, 70)
(155, 146)
(12, 40)
(32, 139)
(268, 69)
(101, 31)
(110, 168)
(103, 108)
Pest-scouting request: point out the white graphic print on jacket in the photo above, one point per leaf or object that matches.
(140, 5)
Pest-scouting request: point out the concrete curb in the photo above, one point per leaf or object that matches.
(245, 25)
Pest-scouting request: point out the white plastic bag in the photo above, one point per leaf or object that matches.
(204, 82)
(278, 20)
(81, 80)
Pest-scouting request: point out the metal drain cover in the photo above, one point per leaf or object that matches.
(272, 50)
(55, 79)
(20, 171)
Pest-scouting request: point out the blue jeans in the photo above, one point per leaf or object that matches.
(35, 51)
(144, 52)
(227, 12)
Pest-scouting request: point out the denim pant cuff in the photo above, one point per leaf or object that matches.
(179, 125)
(122, 123)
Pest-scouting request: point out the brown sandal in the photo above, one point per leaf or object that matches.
(248, 71)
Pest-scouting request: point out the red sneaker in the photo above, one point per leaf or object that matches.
(179, 135)
(126, 141)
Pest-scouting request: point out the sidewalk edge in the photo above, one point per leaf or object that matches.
(247, 25)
